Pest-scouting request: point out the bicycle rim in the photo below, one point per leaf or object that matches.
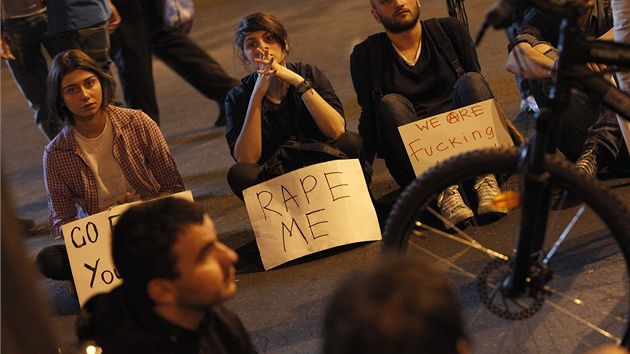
(586, 300)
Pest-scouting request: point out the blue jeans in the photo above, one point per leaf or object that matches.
(396, 110)
(25, 37)
(94, 41)
(584, 121)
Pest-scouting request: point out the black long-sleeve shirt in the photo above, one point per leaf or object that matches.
(428, 84)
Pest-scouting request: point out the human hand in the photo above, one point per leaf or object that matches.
(266, 71)
(269, 63)
(114, 18)
(596, 67)
(125, 198)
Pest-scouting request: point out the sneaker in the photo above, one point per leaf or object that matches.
(453, 208)
(487, 189)
(587, 163)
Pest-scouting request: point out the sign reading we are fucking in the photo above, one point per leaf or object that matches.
(431, 140)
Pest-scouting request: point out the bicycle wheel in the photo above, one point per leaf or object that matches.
(583, 298)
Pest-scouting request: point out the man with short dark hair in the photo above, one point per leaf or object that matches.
(176, 274)
(416, 79)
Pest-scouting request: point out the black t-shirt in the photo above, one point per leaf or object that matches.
(428, 84)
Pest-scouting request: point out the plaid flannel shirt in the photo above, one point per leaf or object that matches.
(139, 148)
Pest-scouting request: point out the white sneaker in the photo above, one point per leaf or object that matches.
(453, 208)
(487, 188)
(587, 162)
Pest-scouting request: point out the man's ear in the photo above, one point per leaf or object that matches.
(161, 291)
(373, 11)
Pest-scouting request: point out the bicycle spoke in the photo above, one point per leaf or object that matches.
(576, 295)
(564, 234)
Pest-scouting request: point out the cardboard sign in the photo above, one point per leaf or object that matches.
(431, 140)
(88, 241)
(311, 209)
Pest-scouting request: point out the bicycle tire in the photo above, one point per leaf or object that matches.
(575, 269)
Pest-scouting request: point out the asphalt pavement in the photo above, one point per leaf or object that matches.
(281, 307)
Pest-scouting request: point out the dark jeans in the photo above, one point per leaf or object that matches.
(53, 262)
(244, 175)
(585, 121)
(142, 33)
(396, 110)
(93, 41)
(25, 37)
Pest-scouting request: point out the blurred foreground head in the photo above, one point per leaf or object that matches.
(395, 306)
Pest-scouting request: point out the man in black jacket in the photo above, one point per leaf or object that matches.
(176, 274)
(417, 80)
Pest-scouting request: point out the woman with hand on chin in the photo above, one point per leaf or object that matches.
(278, 102)
(104, 156)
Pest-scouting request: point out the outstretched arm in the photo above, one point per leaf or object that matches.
(530, 62)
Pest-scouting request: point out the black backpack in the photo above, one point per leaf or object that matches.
(294, 155)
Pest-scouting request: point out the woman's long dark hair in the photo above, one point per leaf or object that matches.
(62, 65)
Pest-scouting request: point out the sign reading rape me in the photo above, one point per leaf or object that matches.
(431, 140)
(311, 209)
(88, 241)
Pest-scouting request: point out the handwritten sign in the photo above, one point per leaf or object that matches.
(311, 209)
(431, 140)
(88, 241)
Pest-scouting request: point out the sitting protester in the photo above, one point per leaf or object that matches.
(279, 102)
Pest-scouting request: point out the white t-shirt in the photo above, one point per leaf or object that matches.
(111, 182)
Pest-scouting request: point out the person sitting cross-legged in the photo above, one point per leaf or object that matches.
(417, 81)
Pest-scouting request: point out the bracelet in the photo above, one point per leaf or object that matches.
(303, 86)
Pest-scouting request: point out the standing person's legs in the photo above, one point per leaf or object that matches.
(193, 64)
(30, 69)
(94, 41)
(131, 51)
(187, 59)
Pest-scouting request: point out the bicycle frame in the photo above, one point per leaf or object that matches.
(574, 53)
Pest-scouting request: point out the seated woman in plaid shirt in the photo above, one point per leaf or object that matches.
(104, 156)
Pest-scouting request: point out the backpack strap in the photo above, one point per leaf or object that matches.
(317, 146)
(375, 43)
(444, 44)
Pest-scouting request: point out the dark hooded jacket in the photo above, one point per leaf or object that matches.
(119, 325)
